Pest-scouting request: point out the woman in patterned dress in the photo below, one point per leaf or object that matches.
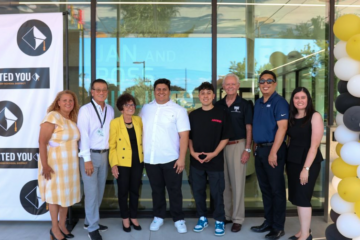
(59, 176)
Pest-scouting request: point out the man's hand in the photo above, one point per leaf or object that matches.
(115, 171)
(272, 160)
(196, 156)
(89, 168)
(245, 157)
(46, 172)
(179, 165)
(209, 156)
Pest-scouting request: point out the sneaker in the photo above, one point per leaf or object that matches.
(95, 235)
(219, 228)
(201, 224)
(180, 226)
(156, 224)
(102, 228)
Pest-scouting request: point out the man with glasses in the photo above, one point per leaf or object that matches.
(94, 123)
(270, 124)
(237, 152)
(165, 138)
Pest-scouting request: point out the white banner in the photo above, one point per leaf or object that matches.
(31, 74)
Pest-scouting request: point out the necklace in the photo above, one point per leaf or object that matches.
(129, 125)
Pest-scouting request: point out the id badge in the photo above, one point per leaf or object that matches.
(100, 132)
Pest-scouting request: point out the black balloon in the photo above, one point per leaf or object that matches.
(334, 216)
(345, 101)
(352, 118)
(331, 233)
(342, 86)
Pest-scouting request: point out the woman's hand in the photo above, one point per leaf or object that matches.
(304, 176)
(115, 171)
(46, 172)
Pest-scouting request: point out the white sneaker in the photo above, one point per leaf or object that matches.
(156, 224)
(180, 226)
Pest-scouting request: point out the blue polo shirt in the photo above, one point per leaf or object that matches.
(266, 116)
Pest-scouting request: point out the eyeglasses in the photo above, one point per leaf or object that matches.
(100, 90)
(268, 81)
(129, 105)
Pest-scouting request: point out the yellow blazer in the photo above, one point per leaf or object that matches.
(119, 142)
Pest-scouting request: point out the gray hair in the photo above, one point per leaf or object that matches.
(231, 75)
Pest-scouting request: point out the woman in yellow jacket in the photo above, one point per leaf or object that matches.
(126, 159)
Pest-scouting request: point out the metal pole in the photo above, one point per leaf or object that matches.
(214, 43)
(144, 71)
(67, 83)
(331, 62)
(93, 39)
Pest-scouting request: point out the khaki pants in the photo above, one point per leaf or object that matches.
(235, 174)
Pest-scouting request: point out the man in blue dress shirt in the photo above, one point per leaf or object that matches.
(270, 124)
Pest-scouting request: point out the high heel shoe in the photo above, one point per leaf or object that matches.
(309, 237)
(126, 229)
(52, 236)
(67, 235)
(295, 237)
(138, 228)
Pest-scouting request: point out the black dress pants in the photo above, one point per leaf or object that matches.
(217, 187)
(161, 176)
(129, 182)
(272, 185)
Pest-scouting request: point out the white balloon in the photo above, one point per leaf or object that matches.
(335, 182)
(350, 153)
(348, 225)
(346, 67)
(341, 206)
(357, 238)
(340, 50)
(353, 86)
(344, 135)
(339, 119)
(358, 171)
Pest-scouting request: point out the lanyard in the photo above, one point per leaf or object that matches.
(102, 123)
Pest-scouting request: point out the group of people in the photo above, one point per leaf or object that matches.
(219, 136)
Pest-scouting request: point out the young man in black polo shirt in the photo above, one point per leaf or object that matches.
(209, 135)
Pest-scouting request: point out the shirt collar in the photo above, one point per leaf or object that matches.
(162, 105)
(270, 98)
(237, 100)
(98, 106)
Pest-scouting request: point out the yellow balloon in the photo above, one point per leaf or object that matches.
(357, 208)
(353, 47)
(347, 26)
(349, 189)
(338, 148)
(343, 170)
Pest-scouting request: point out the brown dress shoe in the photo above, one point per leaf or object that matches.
(236, 227)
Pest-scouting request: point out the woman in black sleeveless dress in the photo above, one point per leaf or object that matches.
(305, 131)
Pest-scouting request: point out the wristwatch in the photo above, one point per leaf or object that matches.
(248, 150)
(307, 168)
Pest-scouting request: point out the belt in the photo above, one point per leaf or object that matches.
(232, 142)
(265, 144)
(99, 151)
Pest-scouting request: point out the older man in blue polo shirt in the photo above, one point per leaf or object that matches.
(270, 123)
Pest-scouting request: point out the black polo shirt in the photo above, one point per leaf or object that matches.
(240, 113)
(266, 116)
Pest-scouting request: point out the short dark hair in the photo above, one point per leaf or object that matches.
(268, 72)
(206, 86)
(99, 80)
(165, 81)
(123, 99)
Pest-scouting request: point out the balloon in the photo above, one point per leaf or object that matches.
(346, 67)
(332, 233)
(350, 153)
(347, 26)
(353, 47)
(345, 101)
(338, 148)
(333, 215)
(343, 170)
(335, 182)
(340, 50)
(342, 86)
(344, 135)
(349, 190)
(357, 209)
(351, 118)
(341, 206)
(353, 86)
(348, 225)
(358, 171)
(339, 119)
(357, 238)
